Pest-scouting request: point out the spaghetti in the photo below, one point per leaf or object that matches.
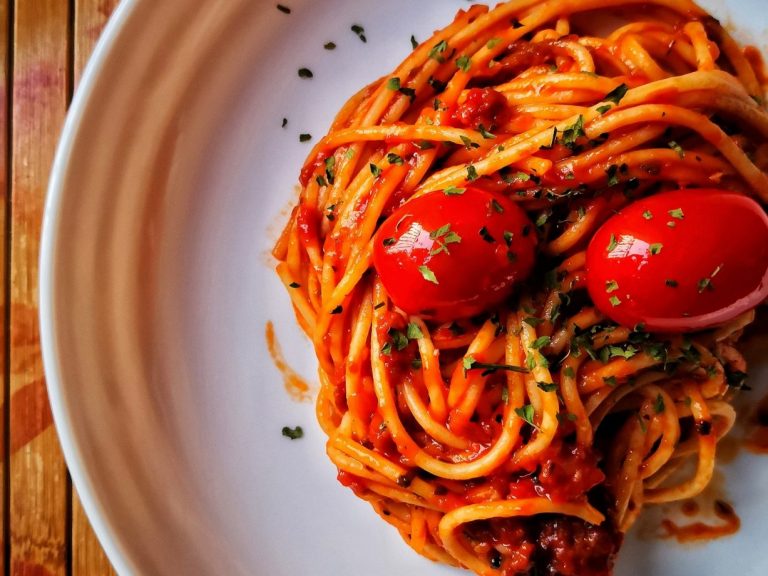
(529, 435)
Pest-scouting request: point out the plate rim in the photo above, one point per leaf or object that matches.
(62, 417)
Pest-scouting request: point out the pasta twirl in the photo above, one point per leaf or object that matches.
(531, 435)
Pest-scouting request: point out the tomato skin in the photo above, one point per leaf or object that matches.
(472, 274)
(711, 263)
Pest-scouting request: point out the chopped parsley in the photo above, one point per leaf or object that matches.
(508, 236)
(677, 148)
(443, 236)
(330, 164)
(705, 284)
(527, 413)
(573, 133)
(485, 235)
(671, 283)
(428, 275)
(437, 51)
(453, 191)
(612, 243)
(516, 177)
(614, 300)
(414, 42)
(284, 10)
(542, 219)
(547, 386)
(497, 207)
(472, 173)
(305, 137)
(617, 95)
(484, 132)
(605, 108)
(647, 214)
(293, 433)
(399, 339)
(305, 73)
(540, 342)
(613, 174)
(360, 31)
(656, 248)
(658, 406)
(394, 159)
(330, 45)
(338, 310)
(375, 170)
(610, 381)
(611, 286)
(469, 363)
(294, 285)
(414, 332)
(393, 84)
(677, 213)
(285, 123)
(464, 63)
(737, 379)
(469, 143)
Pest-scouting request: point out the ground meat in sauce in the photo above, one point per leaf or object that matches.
(547, 545)
(568, 471)
(571, 547)
(509, 544)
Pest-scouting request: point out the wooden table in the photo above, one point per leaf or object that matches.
(46, 44)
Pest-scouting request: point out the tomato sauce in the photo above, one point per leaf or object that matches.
(482, 107)
(701, 531)
(295, 385)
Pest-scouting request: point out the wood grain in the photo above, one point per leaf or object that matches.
(5, 194)
(39, 487)
(88, 558)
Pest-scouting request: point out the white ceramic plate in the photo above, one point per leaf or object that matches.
(170, 185)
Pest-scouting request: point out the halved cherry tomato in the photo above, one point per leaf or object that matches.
(680, 261)
(452, 254)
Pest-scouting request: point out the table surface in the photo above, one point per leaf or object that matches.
(45, 46)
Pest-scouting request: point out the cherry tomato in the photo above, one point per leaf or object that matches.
(454, 253)
(680, 261)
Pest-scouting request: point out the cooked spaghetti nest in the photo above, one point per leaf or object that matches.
(429, 422)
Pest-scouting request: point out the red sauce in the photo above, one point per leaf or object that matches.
(567, 472)
(690, 508)
(295, 385)
(312, 168)
(483, 106)
(308, 221)
(545, 545)
(699, 531)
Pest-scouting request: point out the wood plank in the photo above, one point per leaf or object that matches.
(90, 18)
(4, 194)
(39, 494)
(88, 558)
